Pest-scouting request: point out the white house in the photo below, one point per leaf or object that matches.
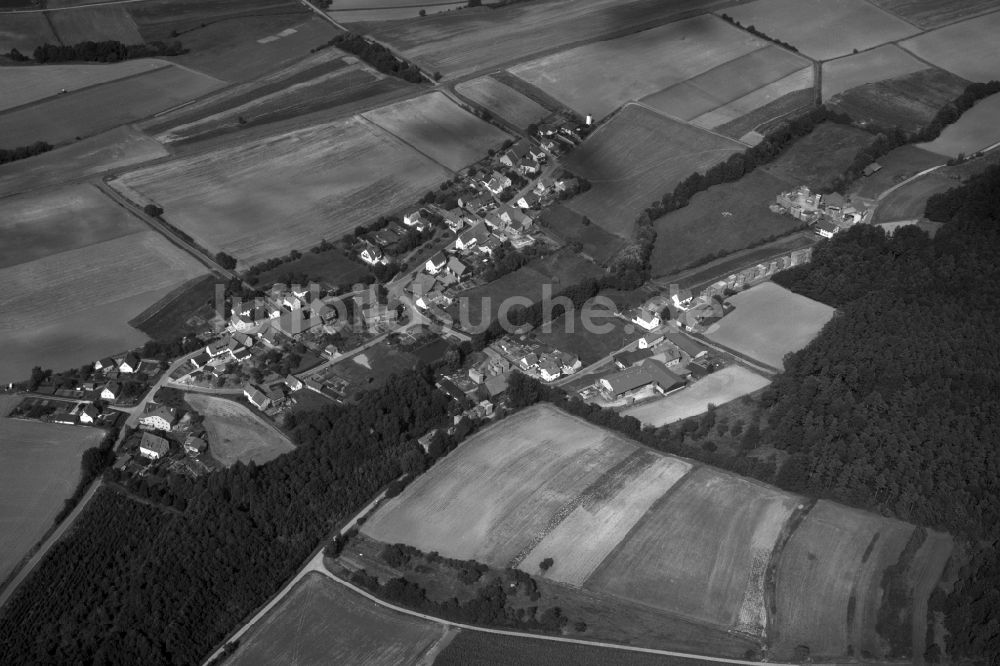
(292, 302)
(105, 364)
(826, 229)
(293, 383)
(436, 263)
(89, 414)
(529, 200)
(153, 446)
(195, 445)
(471, 237)
(158, 418)
(550, 370)
(111, 391)
(129, 364)
(257, 397)
(646, 319)
(570, 363)
(414, 220)
(372, 254)
(650, 340)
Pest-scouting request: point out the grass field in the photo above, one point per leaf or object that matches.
(634, 159)
(821, 29)
(836, 555)
(66, 301)
(438, 128)
(102, 107)
(728, 82)
(909, 101)
(502, 101)
(908, 201)
(462, 42)
(235, 433)
(897, 166)
(114, 149)
(95, 24)
(932, 13)
(595, 241)
(821, 156)
(702, 551)
(975, 130)
(797, 82)
(724, 218)
(715, 389)
(372, 368)
(23, 85)
(879, 64)
(558, 271)
(332, 268)
(39, 469)
(231, 198)
(24, 32)
(185, 310)
(599, 77)
(967, 49)
(590, 346)
(322, 622)
(768, 322)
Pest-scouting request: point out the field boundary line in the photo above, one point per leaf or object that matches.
(405, 142)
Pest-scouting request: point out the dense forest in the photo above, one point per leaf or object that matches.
(378, 57)
(150, 584)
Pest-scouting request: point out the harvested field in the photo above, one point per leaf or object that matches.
(716, 389)
(634, 159)
(967, 49)
(503, 489)
(348, 11)
(932, 13)
(237, 434)
(502, 101)
(114, 149)
(975, 130)
(722, 219)
(594, 240)
(908, 202)
(702, 551)
(599, 77)
(821, 29)
(342, 628)
(39, 470)
(230, 198)
(884, 62)
(606, 515)
(102, 107)
(801, 80)
(728, 82)
(24, 85)
(897, 165)
(765, 117)
(528, 282)
(768, 322)
(24, 32)
(462, 42)
(438, 128)
(94, 24)
(70, 304)
(833, 563)
(821, 156)
(908, 102)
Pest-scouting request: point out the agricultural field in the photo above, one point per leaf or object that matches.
(730, 81)
(341, 627)
(528, 282)
(461, 42)
(324, 81)
(634, 159)
(595, 241)
(237, 434)
(967, 49)
(897, 165)
(768, 322)
(818, 158)
(438, 128)
(39, 470)
(879, 64)
(677, 559)
(799, 81)
(66, 302)
(349, 11)
(823, 30)
(837, 556)
(599, 77)
(716, 389)
(908, 202)
(24, 32)
(101, 107)
(932, 13)
(909, 101)
(23, 85)
(975, 130)
(764, 118)
(114, 149)
(230, 197)
(93, 24)
(502, 101)
(724, 218)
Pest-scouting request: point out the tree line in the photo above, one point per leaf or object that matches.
(105, 51)
(23, 152)
(378, 57)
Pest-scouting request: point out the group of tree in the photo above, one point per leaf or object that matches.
(23, 152)
(104, 51)
(378, 57)
(757, 33)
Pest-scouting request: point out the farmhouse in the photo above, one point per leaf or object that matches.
(158, 417)
(435, 263)
(645, 318)
(453, 218)
(153, 446)
(476, 203)
(256, 397)
(269, 336)
(111, 391)
(293, 383)
(650, 340)
(129, 364)
(89, 414)
(105, 364)
(378, 314)
(529, 200)
(549, 369)
(415, 220)
(826, 229)
(650, 374)
(570, 362)
(371, 254)
(516, 153)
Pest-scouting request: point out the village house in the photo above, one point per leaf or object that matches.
(219, 347)
(256, 397)
(496, 384)
(645, 318)
(475, 203)
(537, 153)
(453, 218)
(436, 263)
(371, 254)
(456, 268)
(570, 362)
(195, 446)
(199, 361)
(527, 167)
(434, 298)
(275, 394)
(129, 364)
(648, 374)
(826, 229)
(269, 336)
(549, 369)
(111, 391)
(105, 364)
(89, 414)
(528, 361)
(529, 200)
(471, 237)
(379, 314)
(516, 153)
(331, 351)
(153, 446)
(650, 340)
(543, 185)
(293, 383)
(489, 246)
(422, 284)
(158, 417)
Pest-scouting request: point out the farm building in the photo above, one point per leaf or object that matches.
(158, 417)
(650, 340)
(686, 344)
(627, 359)
(195, 445)
(645, 318)
(256, 397)
(649, 374)
(153, 447)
